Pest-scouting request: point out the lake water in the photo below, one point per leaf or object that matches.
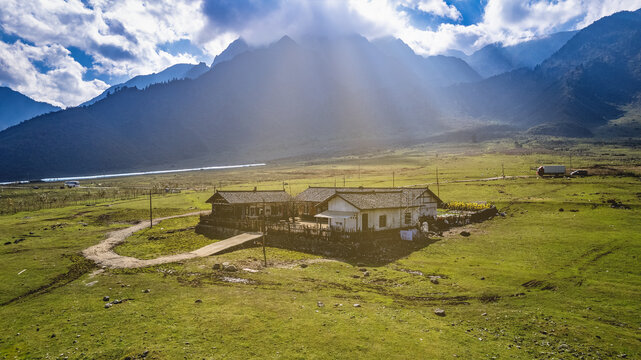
(91, 177)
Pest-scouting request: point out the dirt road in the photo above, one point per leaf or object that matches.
(103, 255)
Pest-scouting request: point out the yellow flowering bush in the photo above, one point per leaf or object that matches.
(466, 206)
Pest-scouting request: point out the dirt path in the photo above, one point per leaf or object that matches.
(103, 255)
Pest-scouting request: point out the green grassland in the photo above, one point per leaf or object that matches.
(537, 283)
(173, 236)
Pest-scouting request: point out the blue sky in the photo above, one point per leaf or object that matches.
(67, 51)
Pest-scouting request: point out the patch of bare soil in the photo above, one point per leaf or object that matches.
(539, 284)
(298, 263)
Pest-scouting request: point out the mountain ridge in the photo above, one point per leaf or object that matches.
(582, 85)
(174, 72)
(16, 107)
(272, 102)
(495, 59)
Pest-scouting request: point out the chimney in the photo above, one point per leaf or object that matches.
(255, 188)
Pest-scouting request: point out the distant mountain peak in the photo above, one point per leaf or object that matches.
(234, 49)
(174, 72)
(497, 58)
(437, 71)
(390, 41)
(285, 41)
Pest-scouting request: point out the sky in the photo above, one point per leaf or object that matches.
(65, 52)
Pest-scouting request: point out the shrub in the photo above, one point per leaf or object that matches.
(463, 206)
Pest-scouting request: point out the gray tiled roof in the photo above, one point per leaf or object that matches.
(321, 194)
(316, 194)
(247, 197)
(379, 199)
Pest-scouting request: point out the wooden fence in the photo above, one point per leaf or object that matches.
(290, 229)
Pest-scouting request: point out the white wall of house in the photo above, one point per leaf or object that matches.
(338, 204)
(427, 205)
(428, 209)
(394, 217)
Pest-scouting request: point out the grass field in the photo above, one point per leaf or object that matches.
(173, 236)
(537, 283)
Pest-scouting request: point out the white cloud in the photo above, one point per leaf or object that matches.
(599, 9)
(439, 8)
(122, 36)
(61, 85)
(267, 22)
(505, 21)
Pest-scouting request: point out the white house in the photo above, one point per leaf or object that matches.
(379, 209)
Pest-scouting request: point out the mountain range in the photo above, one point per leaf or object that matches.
(16, 107)
(495, 59)
(581, 86)
(175, 72)
(321, 94)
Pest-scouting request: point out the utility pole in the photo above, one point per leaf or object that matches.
(334, 182)
(503, 170)
(151, 218)
(570, 161)
(343, 180)
(438, 188)
(264, 228)
(264, 251)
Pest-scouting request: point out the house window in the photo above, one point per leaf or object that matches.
(408, 218)
(382, 221)
(252, 211)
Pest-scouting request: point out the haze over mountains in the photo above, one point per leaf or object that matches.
(318, 94)
(175, 72)
(495, 59)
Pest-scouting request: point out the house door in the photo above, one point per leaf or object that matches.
(364, 222)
